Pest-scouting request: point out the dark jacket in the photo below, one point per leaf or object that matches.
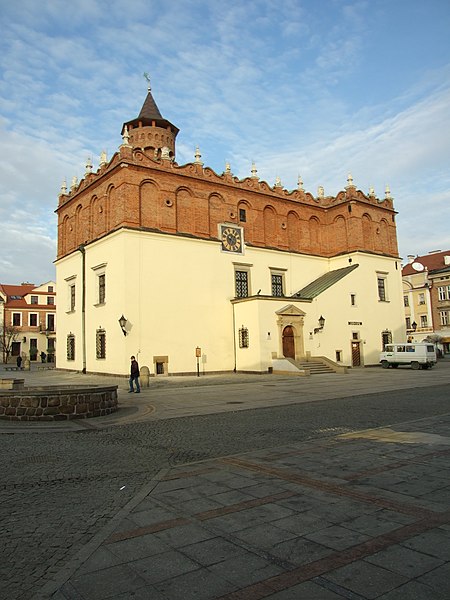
(134, 368)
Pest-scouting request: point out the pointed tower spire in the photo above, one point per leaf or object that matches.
(149, 130)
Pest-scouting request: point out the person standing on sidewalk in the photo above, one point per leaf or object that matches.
(134, 376)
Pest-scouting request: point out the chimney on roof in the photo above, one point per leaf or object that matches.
(411, 258)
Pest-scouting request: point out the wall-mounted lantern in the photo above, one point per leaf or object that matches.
(414, 326)
(123, 322)
(321, 324)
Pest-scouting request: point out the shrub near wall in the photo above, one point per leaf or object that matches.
(58, 404)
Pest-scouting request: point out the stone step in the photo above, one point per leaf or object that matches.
(314, 368)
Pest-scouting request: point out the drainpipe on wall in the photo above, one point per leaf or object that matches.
(82, 249)
(234, 340)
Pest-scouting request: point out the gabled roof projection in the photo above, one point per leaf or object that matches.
(313, 289)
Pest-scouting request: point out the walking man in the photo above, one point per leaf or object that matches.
(134, 376)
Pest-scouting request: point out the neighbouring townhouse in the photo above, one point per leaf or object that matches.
(426, 292)
(28, 321)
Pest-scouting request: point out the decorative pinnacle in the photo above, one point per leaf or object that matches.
(198, 156)
(254, 171)
(320, 191)
(228, 168)
(88, 165)
(388, 193)
(64, 187)
(372, 192)
(350, 180)
(300, 184)
(278, 183)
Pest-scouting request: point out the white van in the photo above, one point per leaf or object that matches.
(419, 356)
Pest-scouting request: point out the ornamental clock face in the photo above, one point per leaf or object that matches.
(231, 238)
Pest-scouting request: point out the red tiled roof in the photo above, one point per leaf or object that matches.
(21, 290)
(432, 262)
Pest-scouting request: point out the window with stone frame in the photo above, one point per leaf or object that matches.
(16, 320)
(444, 316)
(72, 290)
(244, 341)
(33, 320)
(277, 284)
(101, 288)
(382, 288)
(71, 347)
(241, 281)
(100, 343)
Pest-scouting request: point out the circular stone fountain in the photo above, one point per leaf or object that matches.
(56, 403)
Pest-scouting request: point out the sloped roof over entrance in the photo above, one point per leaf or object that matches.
(316, 287)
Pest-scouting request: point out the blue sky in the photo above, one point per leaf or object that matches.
(317, 88)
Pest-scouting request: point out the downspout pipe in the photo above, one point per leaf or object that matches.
(82, 249)
(234, 340)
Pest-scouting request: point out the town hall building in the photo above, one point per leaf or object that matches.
(194, 271)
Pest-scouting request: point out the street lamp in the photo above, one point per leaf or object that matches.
(123, 322)
(321, 324)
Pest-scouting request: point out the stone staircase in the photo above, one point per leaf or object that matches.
(315, 367)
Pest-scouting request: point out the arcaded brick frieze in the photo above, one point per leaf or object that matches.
(136, 191)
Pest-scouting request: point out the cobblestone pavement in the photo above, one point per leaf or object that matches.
(61, 489)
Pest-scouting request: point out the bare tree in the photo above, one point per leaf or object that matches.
(8, 335)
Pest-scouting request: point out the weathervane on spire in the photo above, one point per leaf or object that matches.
(147, 77)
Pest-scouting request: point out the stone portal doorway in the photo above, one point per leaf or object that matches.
(290, 332)
(288, 342)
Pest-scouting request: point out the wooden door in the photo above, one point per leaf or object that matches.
(356, 354)
(288, 342)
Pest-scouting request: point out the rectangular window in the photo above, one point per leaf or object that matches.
(408, 322)
(50, 288)
(50, 300)
(33, 320)
(100, 343)
(70, 347)
(353, 299)
(444, 317)
(382, 296)
(242, 215)
(441, 293)
(101, 288)
(421, 298)
(338, 355)
(72, 297)
(405, 301)
(34, 300)
(17, 319)
(243, 337)
(51, 322)
(277, 285)
(241, 280)
(423, 321)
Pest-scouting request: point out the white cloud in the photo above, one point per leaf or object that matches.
(287, 85)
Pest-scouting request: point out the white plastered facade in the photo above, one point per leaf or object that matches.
(178, 294)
